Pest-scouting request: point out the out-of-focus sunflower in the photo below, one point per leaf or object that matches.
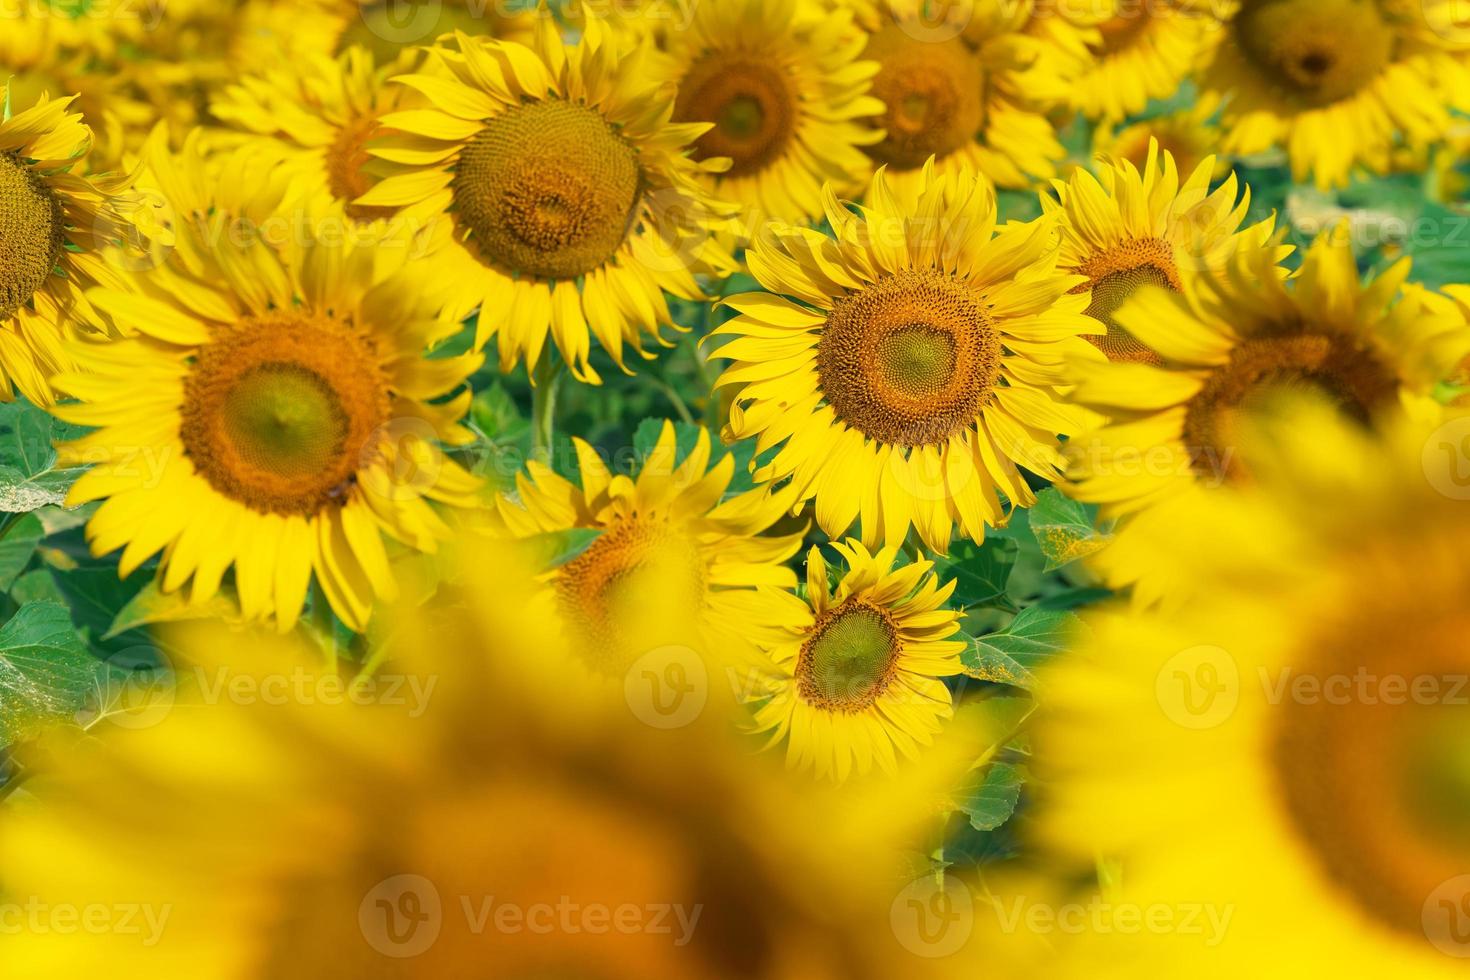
(1287, 753)
(1229, 345)
(54, 224)
(389, 30)
(907, 366)
(966, 87)
(786, 94)
(1339, 83)
(268, 410)
(671, 556)
(1124, 230)
(856, 679)
(1142, 51)
(563, 197)
(1189, 135)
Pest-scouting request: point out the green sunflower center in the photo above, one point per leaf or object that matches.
(910, 360)
(752, 104)
(849, 659)
(548, 189)
(1115, 276)
(277, 411)
(935, 94)
(1317, 51)
(1437, 775)
(387, 27)
(31, 223)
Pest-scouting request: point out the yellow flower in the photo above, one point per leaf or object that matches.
(855, 672)
(54, 224)
(1339, 83)
(563, 198)
(270, 411)
(389, 29)
(1189, 136)
(1288, 750)
(1124, 230)
(1141, 51)
(912, 366)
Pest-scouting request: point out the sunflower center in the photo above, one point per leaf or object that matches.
(935, 94)
(548, 189)
(386, 27)
(1121, 32)
(31, 223)
(1115, 275)
(849, 659)
(752, 104)
(277, 410)
(346, 177)
(910, 360)
(1330, 366)
(1318, 51)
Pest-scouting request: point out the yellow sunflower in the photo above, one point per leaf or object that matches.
(54, 224)
(1124, 230)
(389, 30)
(1189, 135)
(856, 671)
(562, 196)
(671, 556)
(270, 411)
(1339, 83)
(966, 87)
(906, 366)
(1286, 755)
(784, 89)
(1141, 51)
(1228, 346)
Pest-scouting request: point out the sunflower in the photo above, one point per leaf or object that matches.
(1189, 135)
(908, 365)
(786, 94)
(856, 671)
(389, 30)
(54, 224)
(562, 199)
(1290, 748)
(1339, 82)
(970, 98)
(1142, 51)
(285, 425)
(671, 556)
(1228, 347)
(1131, 229)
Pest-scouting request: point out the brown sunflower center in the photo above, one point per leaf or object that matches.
(1122, 31)
(935, 94)
(1318, 51)
(910, 360)
(1323, 364)
(1115, 275)
(548, 189)
(346, 159)
(277, 410)
(31, 223)
(849, 659)
(751, 102)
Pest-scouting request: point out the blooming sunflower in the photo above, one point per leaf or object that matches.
(1130, 229)
(54, 223)
(969, 98)
(1142, 51)
(856, 672)
(1189, 135)
(1290, 748)
(786, 94)
(563, 198)
(908, 363)
(1230, 345)
(269, 411)
(671, 556)
(1339, 82)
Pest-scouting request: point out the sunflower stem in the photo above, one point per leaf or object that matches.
(544, 382)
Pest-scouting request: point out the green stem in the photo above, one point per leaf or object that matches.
(323, 623)
(544, 380)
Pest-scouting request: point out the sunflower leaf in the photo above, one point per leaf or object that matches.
(1065, 529)
(17, 548)
(29, 479)
(46, 672)
(981, 572)
(991, 799)
(153, 605)
(1011, 655)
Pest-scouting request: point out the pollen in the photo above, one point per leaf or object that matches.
(849, 659)
(935, 94)
(31, 225)
(751, 102)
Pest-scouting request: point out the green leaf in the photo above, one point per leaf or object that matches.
(981, 572)
(560, 547)
(17, 548)
(645, 439)
(991, 799)
(153, 605)
(28, 476)
(1010, 656)
(46, 673)
(1064, 529)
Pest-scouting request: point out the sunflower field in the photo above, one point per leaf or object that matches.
(734, 489)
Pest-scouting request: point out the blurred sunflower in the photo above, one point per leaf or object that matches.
(286, 423)
(1228, 346)
(54, 224)
(1124, 230)
(1189, 135)
(908, 363)
(1290, 748)
(786, 94)
(389, 30)
(568, 201)
(1141, 51)
(1339, 83)
(671, 554)
(857, 669)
